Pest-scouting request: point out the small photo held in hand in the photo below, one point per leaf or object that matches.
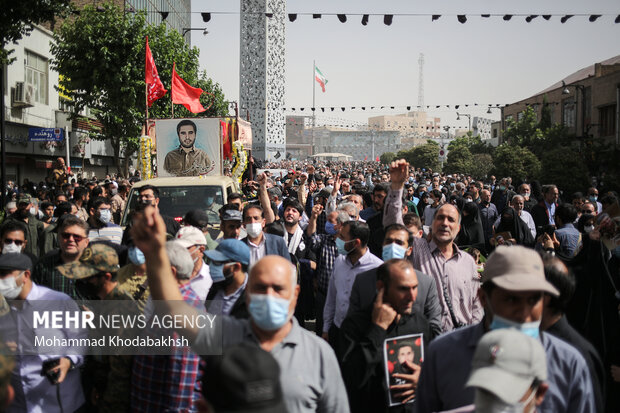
(398, 352)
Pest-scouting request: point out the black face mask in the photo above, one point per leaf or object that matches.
(22, 213)
(87, 290)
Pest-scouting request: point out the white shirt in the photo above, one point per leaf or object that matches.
(525, 217)
(340, 285)
(202, 282)
(33, 392)
(256, 251)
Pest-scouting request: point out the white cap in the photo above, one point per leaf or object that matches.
(188, 236)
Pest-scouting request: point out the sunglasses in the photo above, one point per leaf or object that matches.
(67, 236)
(17, 242)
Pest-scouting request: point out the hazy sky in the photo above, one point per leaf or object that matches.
(482, 61)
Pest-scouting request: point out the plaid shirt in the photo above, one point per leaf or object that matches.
(324, 247)
(46, 274)
(166, 383)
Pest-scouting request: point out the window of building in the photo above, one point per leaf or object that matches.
(508, 118)
(494, 133)
(36, 75)
(568, 113)
(520, 116)
(607, 120)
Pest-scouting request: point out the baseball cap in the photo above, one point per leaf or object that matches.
(231, 215)
(15, 261)
(245, 378)
(517, 268)
(188, 236)
(95, 259)
(506, 363)
(24, 199)
(230, 250)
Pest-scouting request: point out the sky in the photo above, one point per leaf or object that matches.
(484, 61)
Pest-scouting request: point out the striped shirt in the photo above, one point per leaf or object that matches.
(324, 247)
(111, 232)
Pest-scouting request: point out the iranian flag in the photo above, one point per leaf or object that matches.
(320, 78)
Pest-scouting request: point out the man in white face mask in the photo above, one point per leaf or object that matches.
(260, 243)
(101, 227)
(195, 242)
(35, 391)
(508, 373)
(13, 237)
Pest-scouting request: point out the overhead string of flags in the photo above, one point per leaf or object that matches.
(388, 18)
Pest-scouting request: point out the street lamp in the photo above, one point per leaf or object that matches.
(458, 117)
(582, 89)
(185, 30)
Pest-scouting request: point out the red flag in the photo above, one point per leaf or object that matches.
(227, 152)
(155, 89)
(366, 158)
(184, 94)
(377, 159)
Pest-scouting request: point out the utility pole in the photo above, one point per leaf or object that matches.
(3, 137)
(313, 102)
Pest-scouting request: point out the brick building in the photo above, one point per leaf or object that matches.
(587, 102)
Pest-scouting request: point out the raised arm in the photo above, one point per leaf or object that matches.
(393, 208)
(264, 199)
(149, 235)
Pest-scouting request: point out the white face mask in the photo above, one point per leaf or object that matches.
(33, 211)
(488, 403)
(588, 228)
(254, 229)
(11, 248)
(9, 288)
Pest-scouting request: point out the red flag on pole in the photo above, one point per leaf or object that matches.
(184, 94)
(155, 89)
(226, 141)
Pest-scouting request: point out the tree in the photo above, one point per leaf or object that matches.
(101, 55)
(459, 160)
(423, 156)
(18, 17)
(565, 168)
(525, 132)
(481, 165)
(545, 115)
(516, 162)
(387, 157)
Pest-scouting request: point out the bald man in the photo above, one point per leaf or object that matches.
(454, 271)
(309, 372)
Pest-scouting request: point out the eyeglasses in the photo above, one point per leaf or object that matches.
(17, 242)
(67, 236)
(587, 211)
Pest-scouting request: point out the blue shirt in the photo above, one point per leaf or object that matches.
(368, 213)
(488, 214)
(569, 238)
(447, 365)
(551, 209)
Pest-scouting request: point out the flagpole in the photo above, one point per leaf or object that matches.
(172, 88)
(146, 92)
(313, 101)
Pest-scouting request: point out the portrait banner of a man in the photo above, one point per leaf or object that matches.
(400, 354)
(188, 147)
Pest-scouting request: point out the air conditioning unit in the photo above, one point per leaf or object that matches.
(23, 95)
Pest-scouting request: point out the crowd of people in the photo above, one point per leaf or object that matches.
(493, 295)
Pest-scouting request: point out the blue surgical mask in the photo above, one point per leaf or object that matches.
(268, 313)
(593, 198)
(531, 329)
(216, 272)
(210, 200)
(136, 256)
(501, 187)
(393, 251)
(340, 245)
(329, 228)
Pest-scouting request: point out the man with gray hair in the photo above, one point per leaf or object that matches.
(309, 373)
(518, 203)
(350, 209)
(166, 382)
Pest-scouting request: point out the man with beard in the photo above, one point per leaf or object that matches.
(187, 160)
(300, 253)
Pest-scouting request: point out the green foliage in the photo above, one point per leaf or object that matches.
(515, 161)
(565, 168)
(524, 132)
(387, 157)
(102, 55)
(481, 165)
(545, 115)
(459, 159)
(18, 17)
(423, 156)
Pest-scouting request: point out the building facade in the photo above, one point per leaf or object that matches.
(360, 144)
(481, 127)
(587, 102)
